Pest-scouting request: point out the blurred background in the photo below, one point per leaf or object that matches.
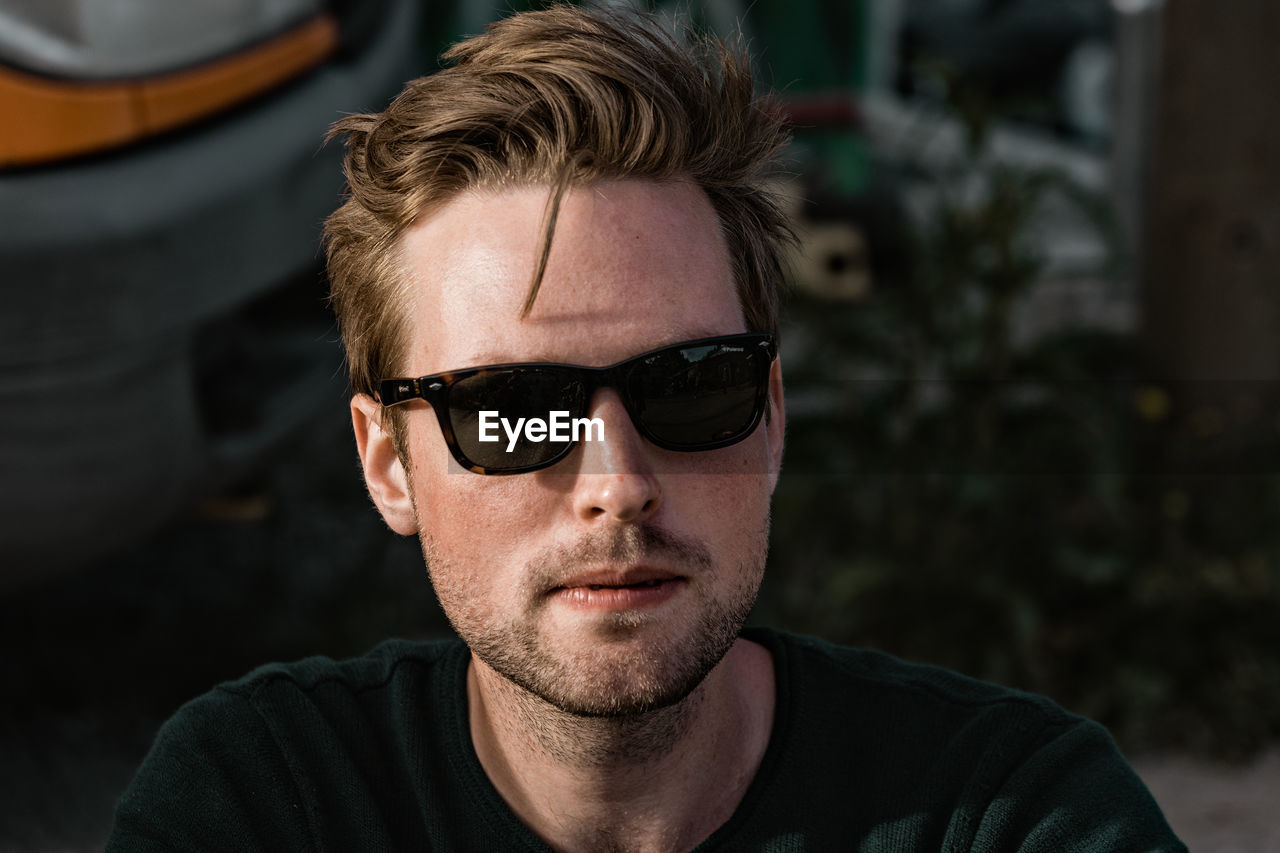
(1033, 355)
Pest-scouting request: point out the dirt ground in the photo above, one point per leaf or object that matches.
(1218, 809)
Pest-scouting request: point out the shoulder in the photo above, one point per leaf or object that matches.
(375, 670)
(909, 718)
(990, 767)
(904, 719)
(255, 757)
(844, 674)
(319, 695)
(316, 709)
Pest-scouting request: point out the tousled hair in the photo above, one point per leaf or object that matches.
(560, 97)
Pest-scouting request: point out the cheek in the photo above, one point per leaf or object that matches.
(465, 546)
(734, 483)
(443, 499)
(467, 524)
(472, 520)
(730, 511)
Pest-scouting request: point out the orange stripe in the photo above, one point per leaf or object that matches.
(42, 120)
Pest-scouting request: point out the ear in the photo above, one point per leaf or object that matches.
(776, 424)
(384, 474)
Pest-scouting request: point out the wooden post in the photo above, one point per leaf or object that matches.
(1211, 284)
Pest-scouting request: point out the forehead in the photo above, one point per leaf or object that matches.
(633, 265)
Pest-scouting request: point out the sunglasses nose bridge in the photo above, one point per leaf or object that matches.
(625, 448)
(618, 379)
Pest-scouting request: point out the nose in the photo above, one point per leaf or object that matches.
(616, 478)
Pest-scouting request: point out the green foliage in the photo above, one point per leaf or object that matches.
(1028, 513)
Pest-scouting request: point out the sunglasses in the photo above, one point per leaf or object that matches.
(691, 396)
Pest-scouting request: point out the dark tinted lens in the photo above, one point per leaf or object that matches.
(698, 395)
(516, 396)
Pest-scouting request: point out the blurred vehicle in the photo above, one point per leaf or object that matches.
(162, 186)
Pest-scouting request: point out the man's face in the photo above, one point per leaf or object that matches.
(614, 580)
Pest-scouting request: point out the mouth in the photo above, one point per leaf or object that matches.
(636, 577)
(619, 591)
(636, 585)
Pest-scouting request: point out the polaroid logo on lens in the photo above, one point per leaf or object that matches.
(557, 427)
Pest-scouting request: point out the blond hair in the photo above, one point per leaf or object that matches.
(558, 97)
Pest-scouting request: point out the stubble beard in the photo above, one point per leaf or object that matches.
(605, 682)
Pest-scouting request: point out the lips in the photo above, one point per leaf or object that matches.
(639, 577)
(653, 582)
(613, 590)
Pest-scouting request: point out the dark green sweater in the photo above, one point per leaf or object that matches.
(867, 753)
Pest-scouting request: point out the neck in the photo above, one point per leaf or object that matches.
(658, 781)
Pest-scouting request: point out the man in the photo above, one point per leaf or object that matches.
(556, 276)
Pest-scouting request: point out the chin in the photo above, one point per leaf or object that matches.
(628, 664)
